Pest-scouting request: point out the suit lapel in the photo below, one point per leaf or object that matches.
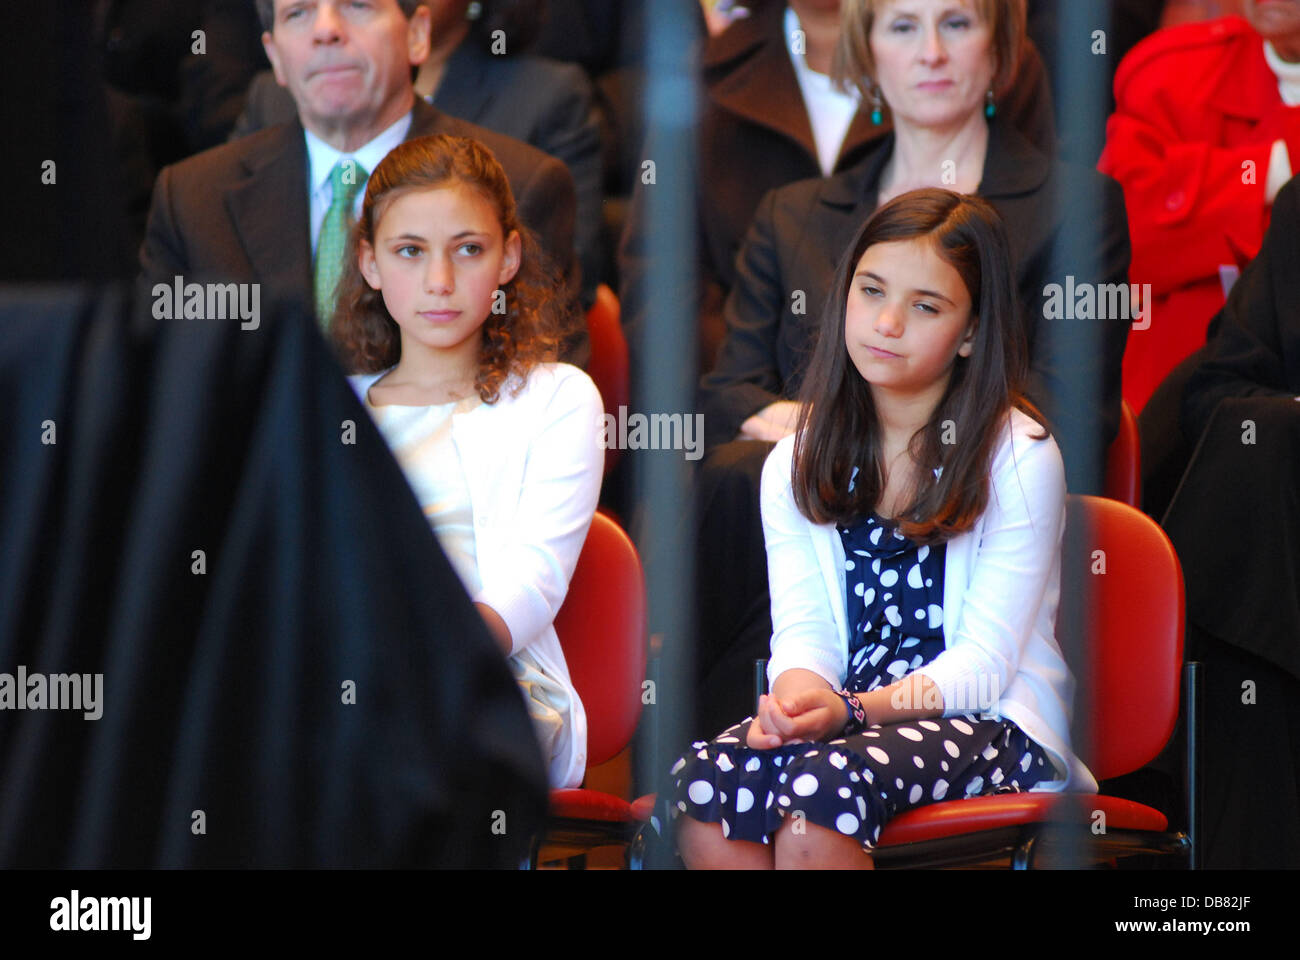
(759, 83)
(1012, 167)
(271, 215)
(852, 196)
(271, 211)
(427, 120)
(860, 137)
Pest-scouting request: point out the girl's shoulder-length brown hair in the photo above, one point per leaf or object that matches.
(528, 330)
(839, 432)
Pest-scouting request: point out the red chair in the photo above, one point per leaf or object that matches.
(1134, 630)
(608, 366)
(602, 628)
(1135, 648)
(1124, 461)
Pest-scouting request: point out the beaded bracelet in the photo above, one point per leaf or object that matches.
(857, 720)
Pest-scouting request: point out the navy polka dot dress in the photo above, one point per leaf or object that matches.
(855, 784)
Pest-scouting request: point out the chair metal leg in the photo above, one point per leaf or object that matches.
(1023, 858)
(529, 860)
(1192, 700)
(636, 850)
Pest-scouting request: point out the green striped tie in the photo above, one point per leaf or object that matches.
(346, 179)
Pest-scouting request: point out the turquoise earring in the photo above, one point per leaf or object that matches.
(989, 109)
(876, 115)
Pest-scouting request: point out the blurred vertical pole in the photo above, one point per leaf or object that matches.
(1083, 76)
(665, 370)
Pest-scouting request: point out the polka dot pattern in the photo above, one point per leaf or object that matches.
(855, 786)
(839, 788)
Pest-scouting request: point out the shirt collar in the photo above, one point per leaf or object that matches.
(805, 73)
(792, 29)
(1282, 68)
(322, 156)
(1288, 75)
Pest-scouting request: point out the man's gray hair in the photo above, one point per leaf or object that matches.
(266, 11)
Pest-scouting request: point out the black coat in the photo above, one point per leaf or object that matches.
(1240, 409)
(1234, 521)
(224, 684)
(802, 230)
(1253, 348)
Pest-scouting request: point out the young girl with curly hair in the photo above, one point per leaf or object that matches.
(446, 312)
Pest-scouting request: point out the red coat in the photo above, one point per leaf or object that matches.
(1194, 104)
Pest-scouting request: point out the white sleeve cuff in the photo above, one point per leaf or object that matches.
(964, 681)
(823, 666)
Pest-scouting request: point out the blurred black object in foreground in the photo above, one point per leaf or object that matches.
(224, 691)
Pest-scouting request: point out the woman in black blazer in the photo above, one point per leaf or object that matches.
(785, 268)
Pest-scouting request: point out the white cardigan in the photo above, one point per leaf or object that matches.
(1002, 585)
(533, 463)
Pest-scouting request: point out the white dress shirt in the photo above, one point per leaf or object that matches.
(830, 111)
(321, 158)
(1288, 85)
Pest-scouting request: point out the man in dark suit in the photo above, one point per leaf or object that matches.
(544, 103)
(254, 210)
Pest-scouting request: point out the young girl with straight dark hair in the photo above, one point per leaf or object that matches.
(913, 526)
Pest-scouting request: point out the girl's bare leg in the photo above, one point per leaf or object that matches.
(703, 847)
(801, 845)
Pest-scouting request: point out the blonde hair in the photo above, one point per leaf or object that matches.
(854, 65)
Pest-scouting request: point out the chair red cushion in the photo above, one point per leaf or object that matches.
(1128, 684)
(642, 807)
(1124, 461)
(609, 363)
(955, 817)
(602, 632)
(579, 804)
